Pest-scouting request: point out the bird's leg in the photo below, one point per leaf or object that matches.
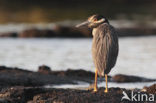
(106, 89)
(95, 83)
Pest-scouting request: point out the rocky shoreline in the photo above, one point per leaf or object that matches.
(23, 86)
(71, 32)
(19, 77)
(52, 95)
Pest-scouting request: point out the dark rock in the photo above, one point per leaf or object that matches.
(9, 34)
(136, 31)
(69, 31)
(64, 31)
(121, 78)
(44, 69)
(4, 68)
(30, 93)
(19, 94)
(80, 72)
(43, 95)
(79, 96)
(36, 33)
(52, 95)
(19, 77)
(83, 96)
(151, 89)
(86, 32)
(77, 73)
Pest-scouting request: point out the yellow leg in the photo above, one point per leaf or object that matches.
(95, 84)
(106, 90)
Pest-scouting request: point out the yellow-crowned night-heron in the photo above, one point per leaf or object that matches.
(104, 46)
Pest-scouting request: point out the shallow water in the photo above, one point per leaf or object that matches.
(102, 84)
(137, 56)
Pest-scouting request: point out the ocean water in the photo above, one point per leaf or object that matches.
(137, 55)
(84, 85)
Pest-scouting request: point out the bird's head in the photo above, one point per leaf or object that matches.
(93, 21)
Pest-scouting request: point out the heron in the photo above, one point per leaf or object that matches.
(105, 46)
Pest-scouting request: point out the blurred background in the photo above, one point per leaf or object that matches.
(36, 32)
(31, 11)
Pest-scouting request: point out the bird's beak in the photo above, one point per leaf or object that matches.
(84, 24)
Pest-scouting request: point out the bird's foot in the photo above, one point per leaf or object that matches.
(106, 90)
(95, 90)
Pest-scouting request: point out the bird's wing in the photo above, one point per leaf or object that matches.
(102, 49)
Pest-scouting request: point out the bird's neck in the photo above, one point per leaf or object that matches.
(104, 25)
(94, 31)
